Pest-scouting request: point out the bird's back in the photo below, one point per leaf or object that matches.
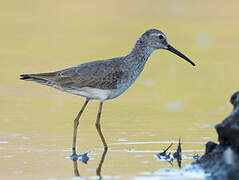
(102, 74)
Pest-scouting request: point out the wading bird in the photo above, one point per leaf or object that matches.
(105, 79)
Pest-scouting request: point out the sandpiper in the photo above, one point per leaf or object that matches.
(105, 79)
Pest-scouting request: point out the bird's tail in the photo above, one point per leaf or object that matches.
(42, 78)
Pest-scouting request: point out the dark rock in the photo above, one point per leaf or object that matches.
(221, 160)
(210, 146)
(228, 130)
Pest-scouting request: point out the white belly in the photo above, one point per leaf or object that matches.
(99, 94)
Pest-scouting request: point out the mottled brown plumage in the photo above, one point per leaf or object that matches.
(97, 74)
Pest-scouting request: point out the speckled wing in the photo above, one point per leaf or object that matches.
(100, 74)
(104, 74)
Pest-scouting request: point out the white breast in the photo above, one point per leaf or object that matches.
(95, 93)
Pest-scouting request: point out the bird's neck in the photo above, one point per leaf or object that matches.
(140, 53)
(136, 59)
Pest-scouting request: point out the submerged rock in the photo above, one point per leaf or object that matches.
(170, 158)
(221, 160)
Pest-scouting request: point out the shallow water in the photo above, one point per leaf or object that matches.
(36, 141)
(170, 100)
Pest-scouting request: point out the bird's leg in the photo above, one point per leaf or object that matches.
(97, 124)
(76, 123)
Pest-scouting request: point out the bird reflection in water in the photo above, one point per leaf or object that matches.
(85, 158)
(98, 170)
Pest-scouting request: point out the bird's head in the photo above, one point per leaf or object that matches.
(156, 39)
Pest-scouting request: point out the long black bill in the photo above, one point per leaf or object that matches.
(175, 51)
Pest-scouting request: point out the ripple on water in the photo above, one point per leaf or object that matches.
(105, 177)
(156, 142)
(187, 173)
(25, 137)
(3, 142)
(16, 134)
(122, 139)
(17, 172)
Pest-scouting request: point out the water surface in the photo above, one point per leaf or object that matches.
(170, 100)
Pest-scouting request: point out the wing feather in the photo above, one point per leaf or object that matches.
(100, 74)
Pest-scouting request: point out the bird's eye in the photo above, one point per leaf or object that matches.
(160, 36)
